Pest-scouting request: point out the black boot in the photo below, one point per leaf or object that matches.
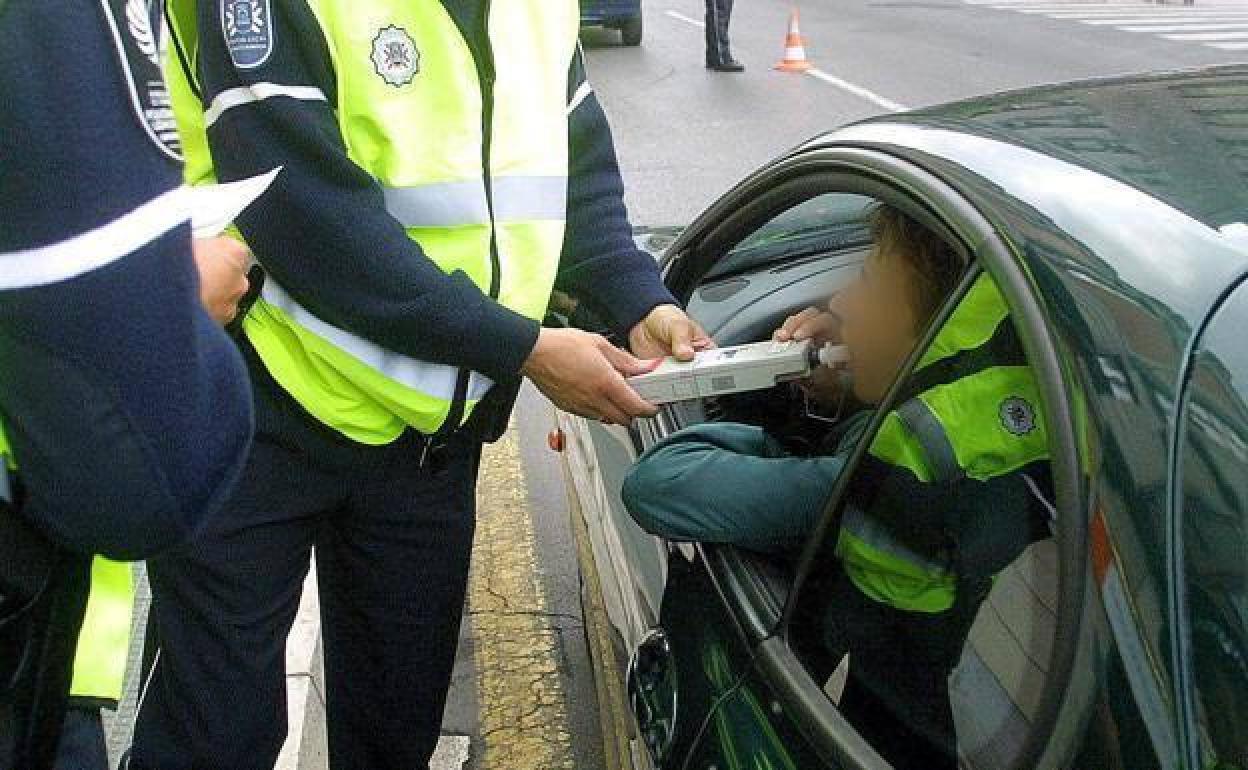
(729, 65)
(718, 53)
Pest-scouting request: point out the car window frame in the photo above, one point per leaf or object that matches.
(871, 171)
(1182, 646)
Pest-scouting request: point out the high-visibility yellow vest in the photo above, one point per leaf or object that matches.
(412, 112)
(104, 641)
(984, 424)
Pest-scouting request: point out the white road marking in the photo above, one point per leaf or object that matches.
(1185, 28)
(686, 19)
(1067, 12)
(1134, 20)
(1211, 26)
(818, 74)
(857, 90)
(1208, 36)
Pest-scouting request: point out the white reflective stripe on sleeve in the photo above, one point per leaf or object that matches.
(236, 97)
(95, 248)
(437, 380)
(582, 93)
(449, 204)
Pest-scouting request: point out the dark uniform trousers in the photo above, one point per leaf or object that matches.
(718, 13)
(392, 539)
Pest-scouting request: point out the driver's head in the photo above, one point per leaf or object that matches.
(907, 275)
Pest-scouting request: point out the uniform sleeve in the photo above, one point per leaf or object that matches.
(126, 407)
(322, 231)
(729, 483)
(601, 265)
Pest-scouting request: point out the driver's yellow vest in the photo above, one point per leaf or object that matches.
(414, 114)
(980, 425)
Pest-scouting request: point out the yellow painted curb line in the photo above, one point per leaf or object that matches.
(523, 711)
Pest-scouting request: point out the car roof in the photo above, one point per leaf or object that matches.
(1180, 136)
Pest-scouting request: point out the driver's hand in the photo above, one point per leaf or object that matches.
(818, 326)
(584, 374)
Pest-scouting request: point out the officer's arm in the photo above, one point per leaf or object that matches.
(127, 408)
(322, 231)
(601, 265)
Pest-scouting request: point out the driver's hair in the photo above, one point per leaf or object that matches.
(933, 262)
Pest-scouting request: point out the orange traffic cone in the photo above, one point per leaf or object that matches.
(794, 48)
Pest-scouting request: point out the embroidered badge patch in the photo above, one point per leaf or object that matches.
(133, 24)
(248, 28)
(1018, 416)
(395, 57)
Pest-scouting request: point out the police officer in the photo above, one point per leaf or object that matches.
(124, 412)
(718, 51)
(446, 165)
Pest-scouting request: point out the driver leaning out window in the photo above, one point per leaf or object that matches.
(948, 494)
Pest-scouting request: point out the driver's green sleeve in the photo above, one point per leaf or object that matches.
(730, 483)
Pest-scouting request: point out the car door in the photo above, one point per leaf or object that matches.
(783, 247)
(744, 698)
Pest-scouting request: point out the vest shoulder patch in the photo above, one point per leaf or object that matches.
(248, 29)
(1018, 415)
(133, 25)
(395, 56)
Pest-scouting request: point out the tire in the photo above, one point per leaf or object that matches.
(631, 31)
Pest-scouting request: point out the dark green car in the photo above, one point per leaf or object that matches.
(1111, 215)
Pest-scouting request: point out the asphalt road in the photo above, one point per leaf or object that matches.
(685, 135)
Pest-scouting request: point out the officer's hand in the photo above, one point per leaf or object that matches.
(584, 374)
(818, 326)
(668, 331)
(222, 264)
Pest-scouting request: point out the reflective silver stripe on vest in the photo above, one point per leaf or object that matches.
(448, 204)
(439, 205)
(930, 433)
(530, 198)
(871, 532)
(432, 379)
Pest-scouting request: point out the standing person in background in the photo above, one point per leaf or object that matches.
(125, 414)
(718, 52)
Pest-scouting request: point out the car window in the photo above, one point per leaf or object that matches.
(1214, 519)
(931, 615)
(819, 225)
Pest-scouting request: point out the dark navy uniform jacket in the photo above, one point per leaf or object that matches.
(126, 406)
(324, 233)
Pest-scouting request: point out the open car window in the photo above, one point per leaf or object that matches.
(818, 225)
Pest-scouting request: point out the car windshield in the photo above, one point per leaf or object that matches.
(823, 224)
